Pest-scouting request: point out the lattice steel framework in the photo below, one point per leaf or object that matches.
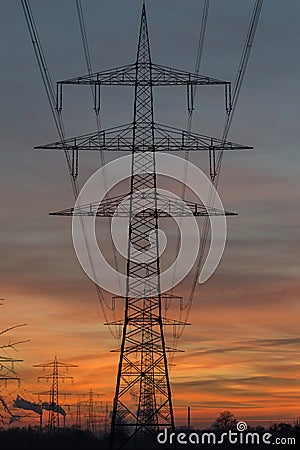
(54, 376)
(143, 366)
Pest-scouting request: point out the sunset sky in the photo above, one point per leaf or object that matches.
(242, 349)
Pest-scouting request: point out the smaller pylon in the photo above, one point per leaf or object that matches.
(91, 423)
(89, 406)
(78, 415)
(55, 376)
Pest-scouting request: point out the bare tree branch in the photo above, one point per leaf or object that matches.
(12, 328)
(5, 407)
(12, 344)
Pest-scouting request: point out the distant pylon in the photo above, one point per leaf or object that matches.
(90, 423)
(88, 407)
(54, 402)
(78, 415)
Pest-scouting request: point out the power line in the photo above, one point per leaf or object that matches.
(193, 91)
(71, 157)
(216, 164)
(230, 113)
(95, 91)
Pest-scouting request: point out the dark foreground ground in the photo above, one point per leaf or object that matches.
(34, 439)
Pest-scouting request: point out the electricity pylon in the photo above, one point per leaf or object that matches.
(143, 366)
(91, 414)
(90, 406)
(55, 376)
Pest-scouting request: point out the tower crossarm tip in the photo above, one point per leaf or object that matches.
(164, 76)
(176, 139)
(115, 139)
(123, 75)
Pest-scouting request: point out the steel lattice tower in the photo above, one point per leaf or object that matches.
(143, 366)
(143, 326)
(54, 376)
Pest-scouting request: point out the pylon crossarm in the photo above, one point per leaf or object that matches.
(9, 360)
(115, 139)
(169, 207)
(4, 378)
(167, 76)
(138, 348)
(123, 75)
(165, 322)
(172, 139)
(166, 138)
(126, 76)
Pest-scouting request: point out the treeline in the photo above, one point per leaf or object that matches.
(282, 435)
(34, 439)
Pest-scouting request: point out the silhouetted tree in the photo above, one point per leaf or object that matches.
(225, 421)
(285, 427)
(7, 372)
